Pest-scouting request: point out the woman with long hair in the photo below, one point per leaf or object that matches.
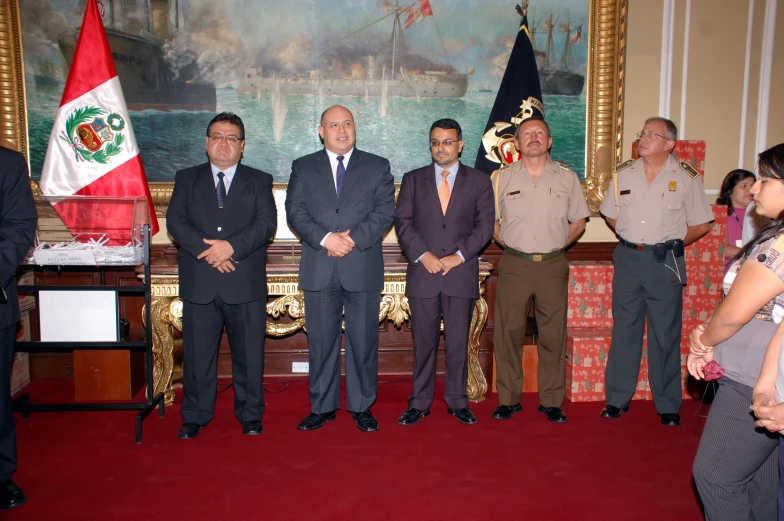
(736, 466)
(735, 194)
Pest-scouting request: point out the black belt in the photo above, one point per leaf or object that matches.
(638, 247)
(536, 257)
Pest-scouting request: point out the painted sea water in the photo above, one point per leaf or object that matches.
(169, 141)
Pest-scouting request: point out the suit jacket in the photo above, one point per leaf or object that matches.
(248, 222)
(422, 227)
(18, 218)
(366, 206)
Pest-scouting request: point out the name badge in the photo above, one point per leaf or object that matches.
(673, 186)
(513, 193)
(625, 192)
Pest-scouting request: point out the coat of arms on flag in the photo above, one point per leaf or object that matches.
(91, 137)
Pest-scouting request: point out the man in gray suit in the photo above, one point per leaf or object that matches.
(444, 218)
(340, 201)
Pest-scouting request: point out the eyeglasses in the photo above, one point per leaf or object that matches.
(649, 135)
(446, 142)
(230, 138)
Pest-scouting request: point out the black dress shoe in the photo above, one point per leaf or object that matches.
(463, 415)
(412, 416)
(315, 420)
(554, 414)
(189, 430)
(252, 428)
(611, 411)
(671, 419)
(365, 421)
(505, 412)
(11, 496)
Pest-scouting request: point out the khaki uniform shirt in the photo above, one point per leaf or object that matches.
(536, 214)
(659, 211)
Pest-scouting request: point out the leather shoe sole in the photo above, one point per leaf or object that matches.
(553, 414)
(463, 415)
(671, 419)
(252, 428)
(505, 412)
(315, 420)
(610, 411)
(412, 416)
(189, 431)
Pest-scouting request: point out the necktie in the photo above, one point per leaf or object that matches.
(443, 191)
(221, 189)
(341, 173)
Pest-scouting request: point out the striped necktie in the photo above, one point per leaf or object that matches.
(221, 190)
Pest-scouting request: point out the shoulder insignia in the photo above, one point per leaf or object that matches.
(690, 170)
(625, 164)
(562, 165)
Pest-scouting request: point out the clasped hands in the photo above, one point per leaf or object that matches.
(699, 354)
(434, 265)
(769, 414)
(218, 255)
(339, 244)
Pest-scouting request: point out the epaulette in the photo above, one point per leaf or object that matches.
(562, 165)
(625, 164)
(686, 167)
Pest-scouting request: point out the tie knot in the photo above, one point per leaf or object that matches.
(444, 173)
(221, 175)
(340, 159)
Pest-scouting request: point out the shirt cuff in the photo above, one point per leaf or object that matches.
(461, 255)
(420, 257)
(324, 239)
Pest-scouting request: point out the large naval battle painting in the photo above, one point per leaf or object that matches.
(279, 63)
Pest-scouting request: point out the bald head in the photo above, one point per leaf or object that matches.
(337, 130)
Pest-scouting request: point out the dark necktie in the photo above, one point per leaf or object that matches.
(221, 188)
(341, 173)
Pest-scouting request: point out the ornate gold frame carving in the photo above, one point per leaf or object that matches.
(605, 95)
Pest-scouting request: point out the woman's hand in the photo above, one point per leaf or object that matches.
(696, 364)
(770, 415)
(696, 347)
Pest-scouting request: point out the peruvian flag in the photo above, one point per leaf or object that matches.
(416, 12)
(92, 149)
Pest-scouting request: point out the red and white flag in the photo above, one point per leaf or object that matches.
(577, 35)
(92, 149)
(416, 12)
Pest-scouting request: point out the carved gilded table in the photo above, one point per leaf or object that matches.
(282, 271)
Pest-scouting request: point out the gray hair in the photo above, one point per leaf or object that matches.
(670, 129)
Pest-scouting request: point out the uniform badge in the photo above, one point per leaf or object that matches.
(625, 164)
(690, 170)
(672, 186)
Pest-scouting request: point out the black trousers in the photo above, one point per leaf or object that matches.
(7, 431)
(202, 326)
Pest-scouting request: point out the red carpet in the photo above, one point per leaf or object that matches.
(77, 466)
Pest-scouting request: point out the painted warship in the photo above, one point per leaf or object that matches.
(392, 71)
(558, 76)
(45, 74)
(148, 81)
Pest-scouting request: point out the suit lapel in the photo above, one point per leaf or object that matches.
(205, 185)
(352, 174)
(325, 181)
(430, 185)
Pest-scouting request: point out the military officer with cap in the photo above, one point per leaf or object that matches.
(656, 206)
(540, 210)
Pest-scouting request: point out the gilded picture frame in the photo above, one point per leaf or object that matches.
(604, 95)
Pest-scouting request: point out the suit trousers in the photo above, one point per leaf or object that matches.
(7, 431)
(323, 317)
(426, 325)
(641, 287)
(735, 468)
(202, 326)
(546, 282)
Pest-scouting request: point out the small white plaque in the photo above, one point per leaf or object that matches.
(80, 316)
(65, 257)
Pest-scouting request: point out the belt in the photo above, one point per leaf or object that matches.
(638, 247)
(536, 257)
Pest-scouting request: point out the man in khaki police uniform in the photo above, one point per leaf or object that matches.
(656, 205)
(540, 210)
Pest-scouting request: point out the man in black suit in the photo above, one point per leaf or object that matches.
(222, 214)
(18, 219)
(444, 217)
(340, 201)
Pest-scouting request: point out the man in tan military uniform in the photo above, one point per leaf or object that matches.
(540, 209)
(656, 205)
